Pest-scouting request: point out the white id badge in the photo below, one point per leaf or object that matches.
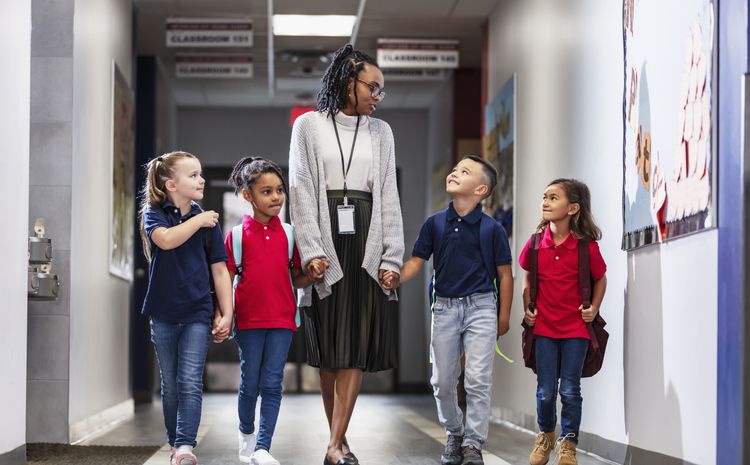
(346, 219)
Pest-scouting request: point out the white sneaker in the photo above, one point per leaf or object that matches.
(247, 446)
(262, 457)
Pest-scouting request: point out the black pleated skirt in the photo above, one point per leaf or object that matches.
(355, 326)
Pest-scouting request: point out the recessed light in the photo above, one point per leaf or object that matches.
(313, 25)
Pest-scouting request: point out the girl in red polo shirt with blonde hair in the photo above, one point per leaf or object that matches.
(559, 320)
(264, 302)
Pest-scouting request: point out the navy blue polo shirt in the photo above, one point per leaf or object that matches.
(178, 287)
(460, 271)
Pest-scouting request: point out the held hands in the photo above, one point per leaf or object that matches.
(588, 314)
(390, 280)
(529, 316)
(208, 219)
(220, 328)
(317, 268)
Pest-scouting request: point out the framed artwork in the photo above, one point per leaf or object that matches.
(498, 147)
(669, 120)
(123, 197)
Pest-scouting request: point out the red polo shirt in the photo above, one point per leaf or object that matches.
(559, 296)
(264, 297)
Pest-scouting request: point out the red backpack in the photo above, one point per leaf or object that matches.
(598, 335)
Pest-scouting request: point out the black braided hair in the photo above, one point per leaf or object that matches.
(347, 63)
(247, 171)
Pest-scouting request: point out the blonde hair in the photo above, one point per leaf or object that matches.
(158, 171)
(582, 223)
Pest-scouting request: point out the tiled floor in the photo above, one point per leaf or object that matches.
(393, 429)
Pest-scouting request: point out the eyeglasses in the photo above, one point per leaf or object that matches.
(375, 90)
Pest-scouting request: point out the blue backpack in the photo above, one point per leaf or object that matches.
(237, 254)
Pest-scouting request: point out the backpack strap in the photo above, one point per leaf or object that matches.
(438, 228)
(487, 246)
(584, 272)
(534, 269)
(289, 230)
(237, 252)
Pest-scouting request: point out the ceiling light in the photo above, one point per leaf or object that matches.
(313, 25)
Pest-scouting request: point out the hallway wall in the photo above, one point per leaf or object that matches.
(657, 390)
(99, 371)
(15, 93)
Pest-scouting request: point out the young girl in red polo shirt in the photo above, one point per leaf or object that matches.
(264, 302)
(559, 319)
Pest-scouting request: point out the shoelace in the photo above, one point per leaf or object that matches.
(563, 452)
(543, 441)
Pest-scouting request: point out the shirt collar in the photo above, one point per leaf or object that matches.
(547, 242)
(253, 225)
(169, 207)
(472, 218)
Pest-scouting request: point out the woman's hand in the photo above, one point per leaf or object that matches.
(389, 279)
(317, 268)
(588, 314)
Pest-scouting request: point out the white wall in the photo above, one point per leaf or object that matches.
(99, 323)
(15, 85)
(657, 389)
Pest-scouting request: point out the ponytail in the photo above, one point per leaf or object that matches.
(158, 171)
(346, 64)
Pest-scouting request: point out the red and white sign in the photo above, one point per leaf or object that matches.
(214, 66)
(209, 32)
(417, 53)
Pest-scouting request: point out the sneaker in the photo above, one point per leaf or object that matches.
(452, 455)
(247, 446)
(183, 455)
(472, 455)
(543, 446)
(262, 457)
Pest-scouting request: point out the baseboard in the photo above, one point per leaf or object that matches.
(102, 421)
(15, 457)
(592, 444)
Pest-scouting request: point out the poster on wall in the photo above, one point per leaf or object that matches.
(498, 149)
(669, 122)
(123, 198)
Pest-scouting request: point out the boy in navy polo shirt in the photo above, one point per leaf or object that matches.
(472, 262)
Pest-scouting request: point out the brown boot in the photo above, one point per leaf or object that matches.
(543, 446)
(567, 453)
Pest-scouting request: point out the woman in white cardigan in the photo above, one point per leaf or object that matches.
(345, 207)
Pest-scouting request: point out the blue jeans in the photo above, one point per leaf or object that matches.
(466, 325)
(181, 350)
(263, 354)
(559, 359)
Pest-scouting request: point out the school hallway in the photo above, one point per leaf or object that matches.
(385, 429)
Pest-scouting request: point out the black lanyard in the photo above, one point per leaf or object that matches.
(345, 169)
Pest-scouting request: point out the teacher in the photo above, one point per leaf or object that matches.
(345, 207)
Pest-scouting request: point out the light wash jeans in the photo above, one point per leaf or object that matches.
(181, 350)
(465, 325)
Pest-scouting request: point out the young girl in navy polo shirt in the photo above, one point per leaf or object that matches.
(264, 302)
(559, 320)
(178, 301)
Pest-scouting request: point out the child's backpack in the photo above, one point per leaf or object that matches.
(237, 254)
(598, 335)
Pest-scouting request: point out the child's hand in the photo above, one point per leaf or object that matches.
(389, 279)
(208, 219)
(221, 328)
(529, 317)
(588, 314)
(502, 327)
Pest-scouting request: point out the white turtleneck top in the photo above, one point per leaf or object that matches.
(360, 173)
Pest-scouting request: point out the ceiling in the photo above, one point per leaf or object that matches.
(297, 83)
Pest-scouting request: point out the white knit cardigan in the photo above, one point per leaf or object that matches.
(309, 206)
